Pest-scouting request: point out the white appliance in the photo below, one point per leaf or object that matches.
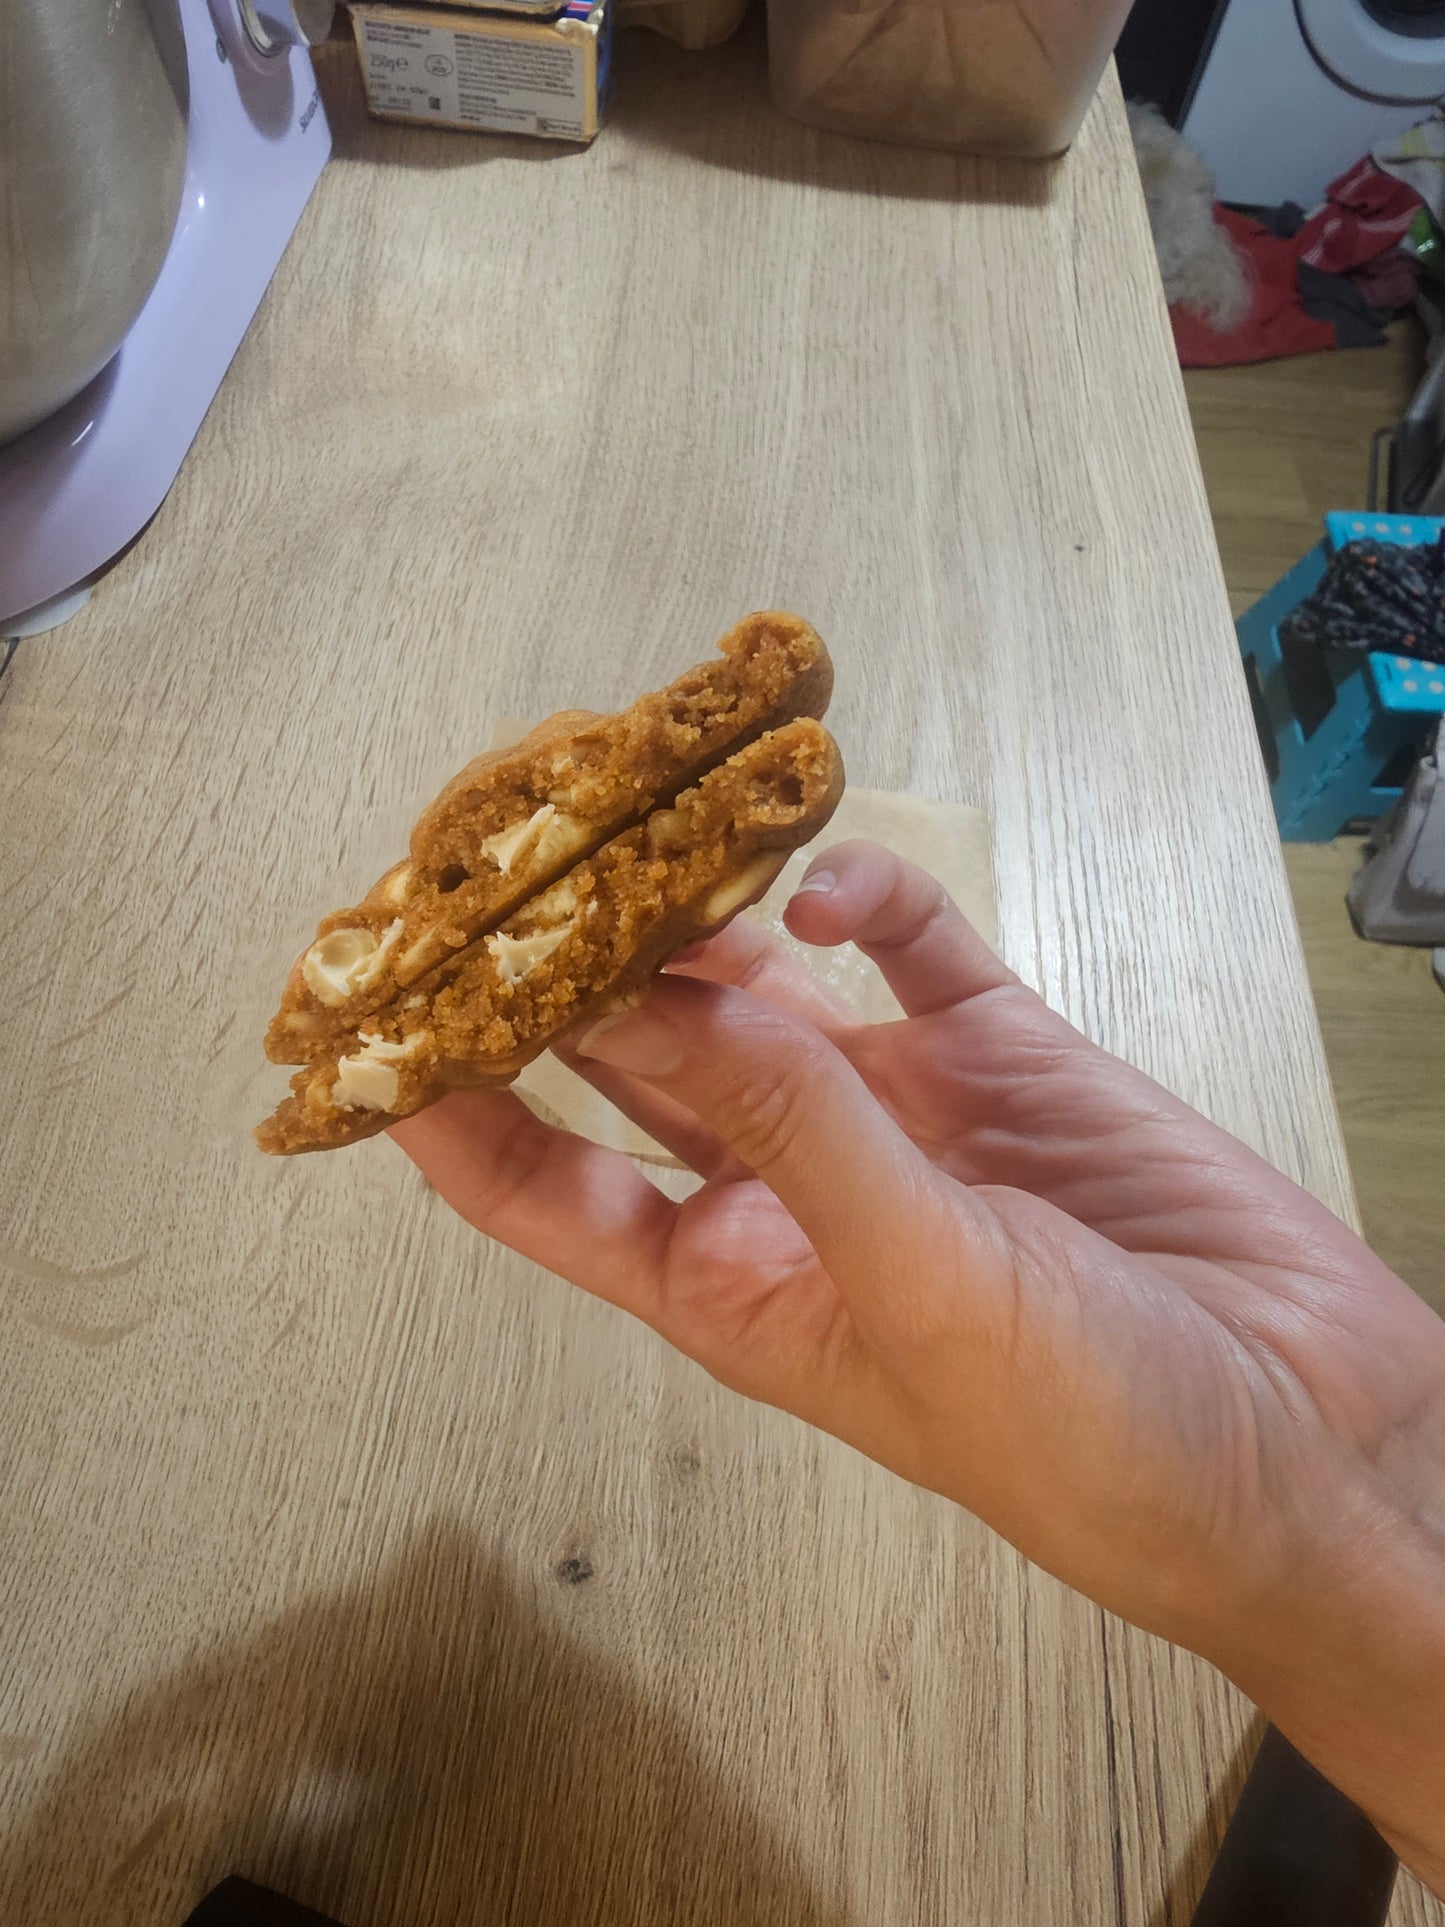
(1292, 92)
(78, 487)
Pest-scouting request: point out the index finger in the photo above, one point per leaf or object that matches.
(749, 959)
(901, 917)
(796, 1112)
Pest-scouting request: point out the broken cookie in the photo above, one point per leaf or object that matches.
(586, 944)
(515, 819)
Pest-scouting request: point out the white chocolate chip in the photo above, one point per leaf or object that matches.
(564, 793)
(368, 1080)
(749, 883)
(506, 845)
(397, 884)
(561, 837)
(515, 956)
(390, 1053)
(427, 948)
(364, 1085)
(547, 833)
(666, 829)
(554, 904)
(337, 966)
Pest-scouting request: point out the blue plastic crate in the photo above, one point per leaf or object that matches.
(1337, 752)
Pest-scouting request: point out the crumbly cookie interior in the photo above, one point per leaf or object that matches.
(513, 821)
(585, 944)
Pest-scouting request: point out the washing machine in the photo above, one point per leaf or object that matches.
(1280, 96)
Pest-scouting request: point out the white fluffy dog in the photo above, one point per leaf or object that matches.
(1200, 266)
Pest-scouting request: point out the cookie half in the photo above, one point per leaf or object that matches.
(582, 947)
(514, 820)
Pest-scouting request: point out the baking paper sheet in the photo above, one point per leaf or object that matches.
(950, 840)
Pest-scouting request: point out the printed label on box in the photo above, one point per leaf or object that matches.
(483, 80)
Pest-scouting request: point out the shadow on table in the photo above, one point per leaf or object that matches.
(713, 108)
(424, 1752)
(1186, 1880)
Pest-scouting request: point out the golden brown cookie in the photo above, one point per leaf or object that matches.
(583, 946)
(515, 819)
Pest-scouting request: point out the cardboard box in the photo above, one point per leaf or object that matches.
(487, 73)
(546, 9)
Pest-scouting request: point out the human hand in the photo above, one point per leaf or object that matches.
(1015, 1270)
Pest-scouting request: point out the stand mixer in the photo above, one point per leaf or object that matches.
(80, 485)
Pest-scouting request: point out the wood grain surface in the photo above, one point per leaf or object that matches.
(342, 1549)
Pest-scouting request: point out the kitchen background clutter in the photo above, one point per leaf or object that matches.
(975, 75)
(154, 161)
(1280, 96)
(1312, 130)
(515, 67)
(1293, 160)
(189, 137)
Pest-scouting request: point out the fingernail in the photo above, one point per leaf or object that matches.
(816, 883)
(632, 1040)
(689, 954)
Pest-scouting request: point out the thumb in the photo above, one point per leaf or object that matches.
(886, 1225)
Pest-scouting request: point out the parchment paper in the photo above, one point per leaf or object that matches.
(948, 839)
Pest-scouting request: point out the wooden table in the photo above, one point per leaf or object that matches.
(342, 1549)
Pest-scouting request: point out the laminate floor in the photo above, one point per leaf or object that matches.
(1281, 443)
